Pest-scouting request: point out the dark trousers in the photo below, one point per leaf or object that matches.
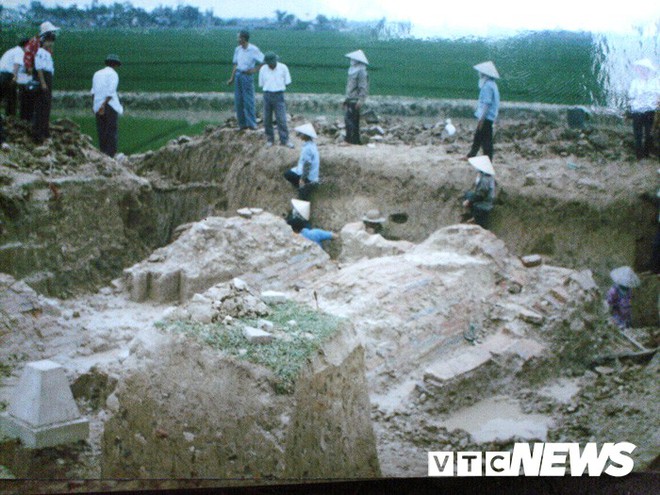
(655, 255)
(352, 121)
(41, 116)
(2, 131)
(8, 92)
(274, 102)
(305, 192)
(107, 128)
(481, 217)
(26, 101)
(642, 126)
(483, 138)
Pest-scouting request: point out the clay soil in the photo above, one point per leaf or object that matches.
(578, 197)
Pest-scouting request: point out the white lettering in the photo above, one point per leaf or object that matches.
(522, 457)
(622, 464)
(554, 459)
(589, 459)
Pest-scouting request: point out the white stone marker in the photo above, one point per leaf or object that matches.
(42, 412)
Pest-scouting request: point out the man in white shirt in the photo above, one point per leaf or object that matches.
(106, 106)
(644, 98)
(247, 60)
(10, 63)
(274, 77)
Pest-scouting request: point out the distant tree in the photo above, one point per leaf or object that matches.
(279, 15)
(323, 23)
(289, 20)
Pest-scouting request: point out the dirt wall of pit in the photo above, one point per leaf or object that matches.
(187, 411)
(574, 217)
(579, 207)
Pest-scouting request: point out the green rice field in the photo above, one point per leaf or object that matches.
(140, 134)
(546, 67)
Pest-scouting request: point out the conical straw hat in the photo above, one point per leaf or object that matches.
(307, 130)
(301, 207)
(624, 275)
(359, 56)
(482, 164)
(646, 63)
(487, 69)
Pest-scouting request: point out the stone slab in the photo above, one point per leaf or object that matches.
(274, 297)
(458, 365)
(257, 336)
(531, 260)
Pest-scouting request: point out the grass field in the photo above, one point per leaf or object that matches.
(547, 67)
(139, 134)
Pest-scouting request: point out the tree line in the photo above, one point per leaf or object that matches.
(125, 15)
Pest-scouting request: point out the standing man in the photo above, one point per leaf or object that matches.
(274, 77)
(107, 107)
(33, 45)
(644, 98)
(247, 60)
(44, 69)
(357, 89)
(25, 97)
(487, 109)
(10, 63)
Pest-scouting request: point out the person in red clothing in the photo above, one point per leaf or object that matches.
(32, 46)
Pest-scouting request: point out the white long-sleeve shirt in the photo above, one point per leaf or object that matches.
(104, 85)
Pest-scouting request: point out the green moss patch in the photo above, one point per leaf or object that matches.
(294, 345)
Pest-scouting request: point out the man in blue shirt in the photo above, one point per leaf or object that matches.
(487, 109)
(299, 221)
(247, 60)
(305, 175)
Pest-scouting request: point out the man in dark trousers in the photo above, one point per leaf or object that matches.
(107, 107)
(487, 109)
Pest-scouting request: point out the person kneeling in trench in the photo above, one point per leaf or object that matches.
(298, 219)
(373, 222)
(619, 297)
(305, 175)
(480, 199)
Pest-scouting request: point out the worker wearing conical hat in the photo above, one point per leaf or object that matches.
(305, 175)
(487, 109)
(619, 297)
(357, 90)
(481, 197)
